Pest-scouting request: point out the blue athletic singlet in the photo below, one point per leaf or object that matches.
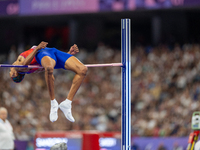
(59, 56)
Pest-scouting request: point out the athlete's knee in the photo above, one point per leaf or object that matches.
(49, 69)
(83, 70)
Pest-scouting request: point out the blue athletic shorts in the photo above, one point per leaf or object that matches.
(59, 56)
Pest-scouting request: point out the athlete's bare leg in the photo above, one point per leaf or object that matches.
(76, 66)
(48, 64)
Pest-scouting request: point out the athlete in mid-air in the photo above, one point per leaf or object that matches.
(50, 59)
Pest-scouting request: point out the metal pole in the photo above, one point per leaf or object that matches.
(126, 85)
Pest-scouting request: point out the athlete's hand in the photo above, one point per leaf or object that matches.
(73, 50)
(41, 45)
(13, 72)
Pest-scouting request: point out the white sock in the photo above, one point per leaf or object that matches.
(53, 116)
(65, 106)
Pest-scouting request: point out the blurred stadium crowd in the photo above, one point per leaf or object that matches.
(165, 93)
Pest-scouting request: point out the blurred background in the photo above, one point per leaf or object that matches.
(165, 68)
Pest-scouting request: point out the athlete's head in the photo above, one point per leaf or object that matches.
(16, 77)
(197, 146)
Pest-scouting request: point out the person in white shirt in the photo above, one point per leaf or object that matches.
(197, 146)
(6, 131)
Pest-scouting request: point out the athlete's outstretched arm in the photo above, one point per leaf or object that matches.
(30, 57)
(25, 61)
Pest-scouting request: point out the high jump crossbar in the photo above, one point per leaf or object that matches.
(88, 65)
(125, 83)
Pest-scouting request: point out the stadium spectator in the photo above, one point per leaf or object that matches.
(6, 131)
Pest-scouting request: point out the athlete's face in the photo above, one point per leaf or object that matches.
(13, 73)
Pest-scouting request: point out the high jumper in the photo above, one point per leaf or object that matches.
(50, 59)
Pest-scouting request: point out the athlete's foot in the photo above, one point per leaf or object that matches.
(53, 116)
(65, 106)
